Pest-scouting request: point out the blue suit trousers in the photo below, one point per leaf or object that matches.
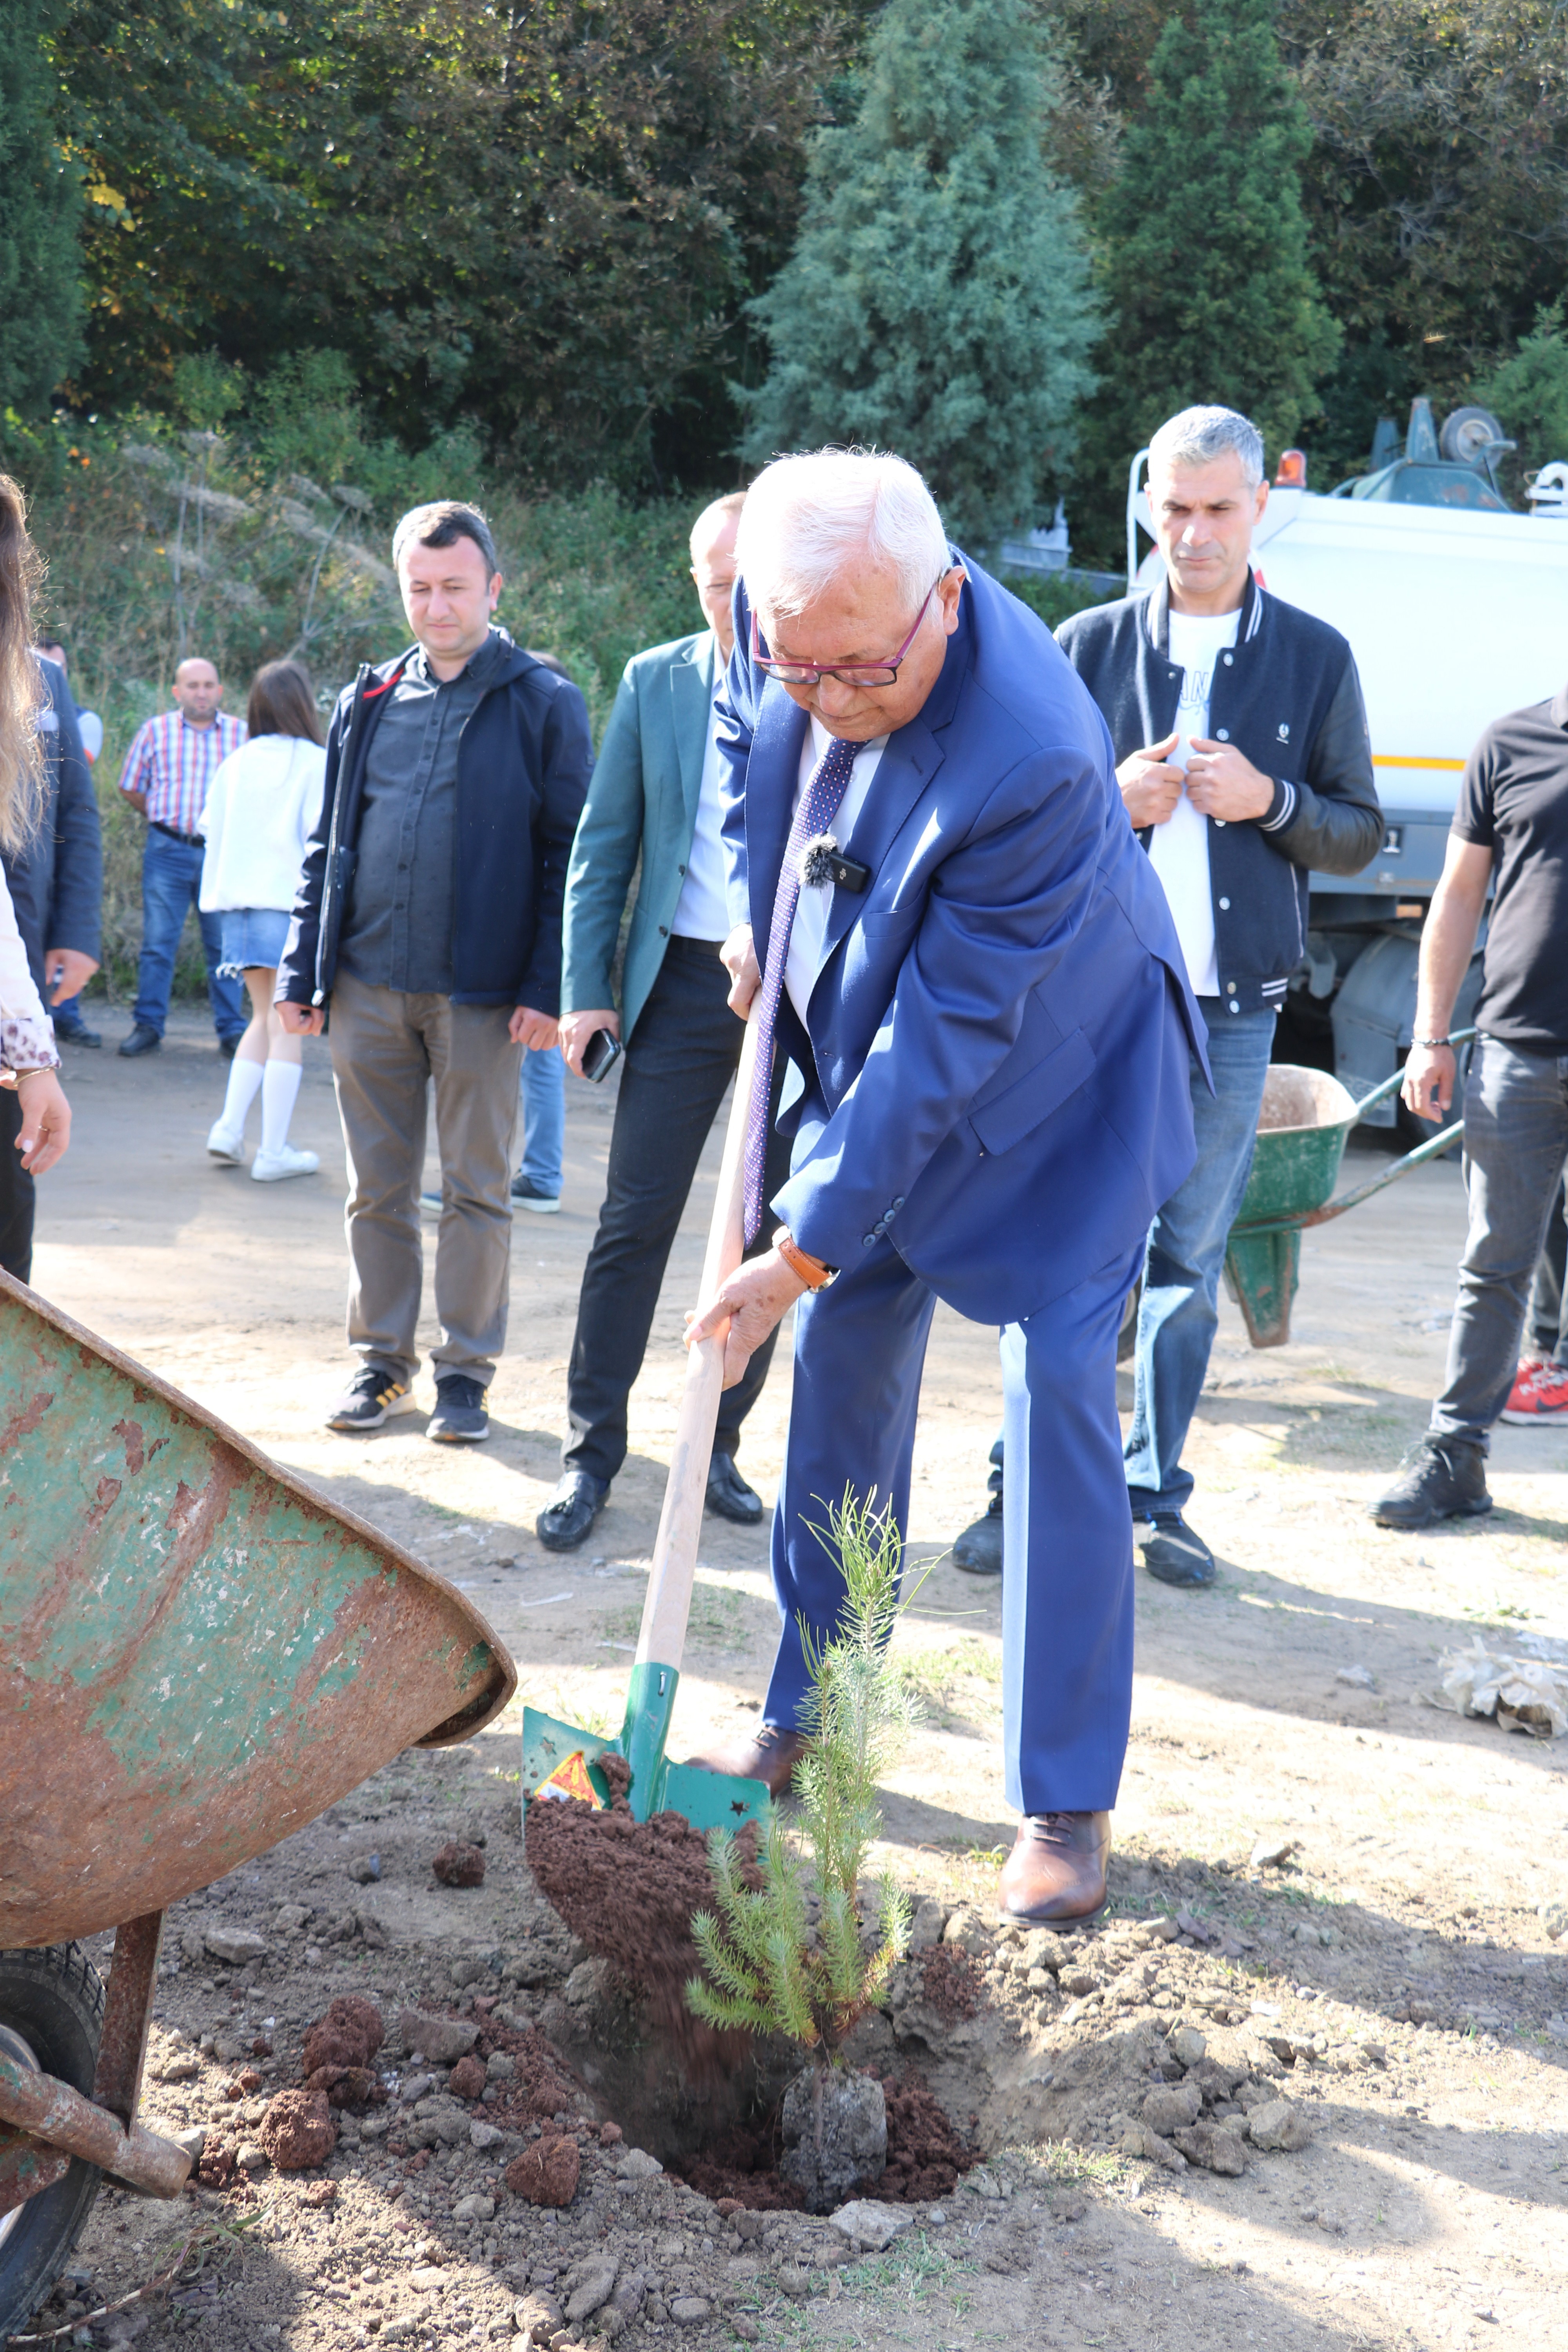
(1067, 1586)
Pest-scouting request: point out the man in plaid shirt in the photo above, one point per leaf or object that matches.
(166, 775)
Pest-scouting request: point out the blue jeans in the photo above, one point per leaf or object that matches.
(1178, 1315)
(1516, 1140)
(171, 879)
(543, 1086)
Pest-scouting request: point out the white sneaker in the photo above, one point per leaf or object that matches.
(271, 1167)
(228, 1144)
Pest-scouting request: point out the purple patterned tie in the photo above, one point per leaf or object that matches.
(818, 807)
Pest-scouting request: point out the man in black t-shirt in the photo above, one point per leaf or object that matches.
(1511, 822)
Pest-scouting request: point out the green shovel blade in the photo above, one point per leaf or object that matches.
(708, 1800)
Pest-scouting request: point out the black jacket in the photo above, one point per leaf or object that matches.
(523, 764)
(56, 878)
(1288, 696)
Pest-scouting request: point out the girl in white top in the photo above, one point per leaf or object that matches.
(28, 1058)
(260, 808)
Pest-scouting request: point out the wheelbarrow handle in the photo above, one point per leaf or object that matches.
(1391, 1083)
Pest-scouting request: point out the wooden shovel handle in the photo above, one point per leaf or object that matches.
(662, 1640)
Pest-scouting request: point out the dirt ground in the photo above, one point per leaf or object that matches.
(1396, 1964)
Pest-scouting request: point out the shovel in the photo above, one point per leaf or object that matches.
(561, 1759)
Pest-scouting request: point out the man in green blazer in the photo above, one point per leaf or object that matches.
(654, 791)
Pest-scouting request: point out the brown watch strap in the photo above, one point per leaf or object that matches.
(810, 1270)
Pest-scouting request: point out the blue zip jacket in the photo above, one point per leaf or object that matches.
(523, 762)
(1289, 696)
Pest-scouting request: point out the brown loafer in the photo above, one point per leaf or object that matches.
(1056, 1868)
(771, 1758)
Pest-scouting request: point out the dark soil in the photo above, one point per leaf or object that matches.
(629, 1889)
(951, 1983)
(925, 2156)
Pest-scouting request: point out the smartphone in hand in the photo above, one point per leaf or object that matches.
(600, 1053)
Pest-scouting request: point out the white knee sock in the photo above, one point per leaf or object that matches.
(279, 1087)
(244, 1081)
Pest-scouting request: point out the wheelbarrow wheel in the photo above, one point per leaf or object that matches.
(51, 2016)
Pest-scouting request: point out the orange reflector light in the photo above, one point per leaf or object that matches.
(1292, 474)
(570, 1779)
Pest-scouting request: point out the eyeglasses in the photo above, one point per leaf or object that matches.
(848, 673)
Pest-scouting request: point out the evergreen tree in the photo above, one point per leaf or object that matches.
(937, 301)
(1213, 295)
(41, 205)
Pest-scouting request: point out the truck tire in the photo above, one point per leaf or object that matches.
(51, 2016)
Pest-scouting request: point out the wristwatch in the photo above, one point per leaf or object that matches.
(810, 1270)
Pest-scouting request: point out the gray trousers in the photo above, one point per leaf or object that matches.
(1516, 1140)
(386, 1047)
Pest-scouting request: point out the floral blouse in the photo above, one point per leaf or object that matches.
(27, 1032)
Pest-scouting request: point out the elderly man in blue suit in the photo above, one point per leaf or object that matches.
(654, 795)
(975, 976)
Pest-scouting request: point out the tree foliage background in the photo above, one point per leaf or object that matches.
(937, 299)
(559, 228)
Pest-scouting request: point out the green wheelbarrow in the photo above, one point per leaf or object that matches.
(198, 1655)
(1302, 1128)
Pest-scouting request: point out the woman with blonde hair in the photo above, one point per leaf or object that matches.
(34, 1116)
(263, 802)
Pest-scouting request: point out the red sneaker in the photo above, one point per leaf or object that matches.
(1540, 1393)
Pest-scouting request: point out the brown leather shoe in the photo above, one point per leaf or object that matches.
(771, 1758)
(1056, 1869)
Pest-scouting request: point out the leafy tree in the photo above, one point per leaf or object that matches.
(1436, 191)
(546, 219)
(937, 299)
(40, 203)
(1207, 266)
(1530, 392)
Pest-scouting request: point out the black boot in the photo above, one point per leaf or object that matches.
(1441, 1479)
(979, 1548)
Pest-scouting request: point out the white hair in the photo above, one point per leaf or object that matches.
(806, 518)
(1198, 436)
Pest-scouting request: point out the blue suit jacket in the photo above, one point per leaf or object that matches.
(643, 800)
(996, 1074)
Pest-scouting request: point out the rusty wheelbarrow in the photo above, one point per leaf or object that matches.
(198, 1655)
(1302, 1128)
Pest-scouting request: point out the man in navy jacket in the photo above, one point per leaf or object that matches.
(428, 916)
(976, 983)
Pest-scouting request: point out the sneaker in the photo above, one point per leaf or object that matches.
(373, 1396)
(1174, 1553)
(229, 1047)
(1540, 1393)
(226, 1143)
(76, 1033)
(429, 1205)
(527, 1195)
(141, 1040)
(1440, 1478)
(978, 1550)
(271, 1167)
(460, 1418)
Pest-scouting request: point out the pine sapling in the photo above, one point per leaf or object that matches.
(766, 1970)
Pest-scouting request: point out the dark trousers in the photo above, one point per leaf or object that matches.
(1067, 1528)
(682, 1056)
(1547, 1323)
(17, 1193)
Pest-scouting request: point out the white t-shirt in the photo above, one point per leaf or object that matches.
(703, 910)
(262, 805)
(1179, 849)
(812, 908)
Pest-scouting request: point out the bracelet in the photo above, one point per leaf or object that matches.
(810, 1270)
(1429, 1042)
